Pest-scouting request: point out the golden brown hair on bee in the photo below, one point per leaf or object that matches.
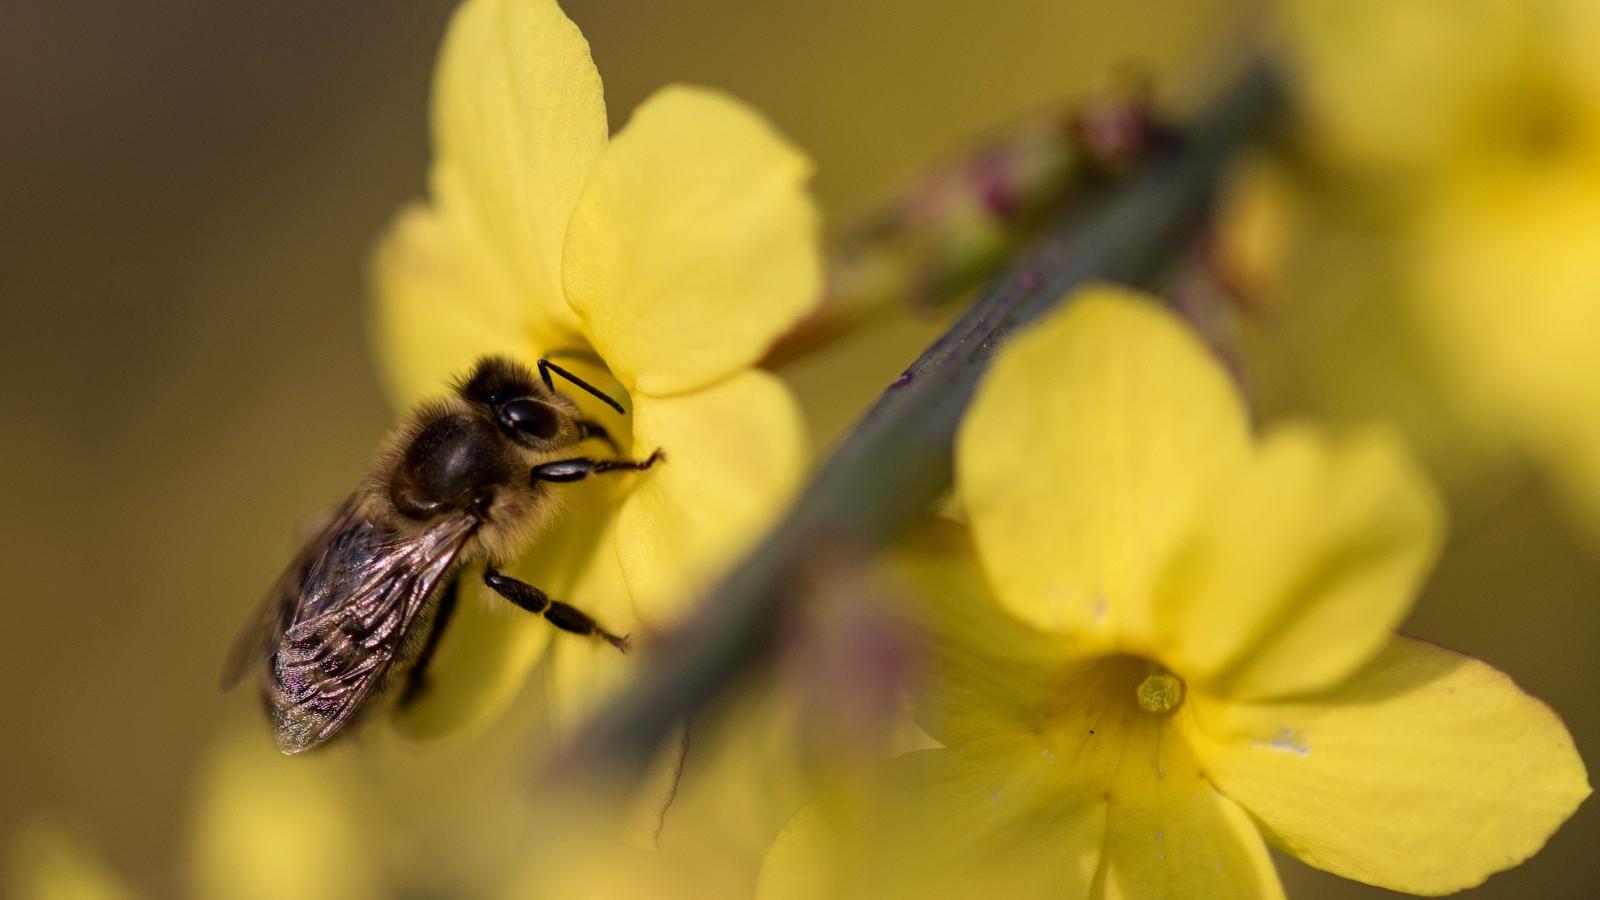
(471, 475)
(470, 452)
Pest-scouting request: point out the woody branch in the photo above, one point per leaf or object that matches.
(897, 459)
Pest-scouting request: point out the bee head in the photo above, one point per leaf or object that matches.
(456, 453)
(522, 408)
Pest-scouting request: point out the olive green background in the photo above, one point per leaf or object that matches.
(188, 195)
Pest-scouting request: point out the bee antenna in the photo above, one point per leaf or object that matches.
(546, 367)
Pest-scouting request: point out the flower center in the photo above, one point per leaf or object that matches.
(1160, 692)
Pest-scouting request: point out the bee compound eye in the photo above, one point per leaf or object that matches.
(529, 417)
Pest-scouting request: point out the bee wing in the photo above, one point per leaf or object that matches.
(354, 604)
(253, 644)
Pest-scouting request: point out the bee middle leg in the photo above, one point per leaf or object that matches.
(581, 467)
(561, 615)
(418, 678)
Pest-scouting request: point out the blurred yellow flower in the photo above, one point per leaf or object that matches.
(739, 784)
(1168, 644)
(46, 861)
(267, 829)
(1442, 210)
(667, 258)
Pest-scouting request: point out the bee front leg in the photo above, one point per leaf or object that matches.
(581, 467)
(589, 428)
(561, 615)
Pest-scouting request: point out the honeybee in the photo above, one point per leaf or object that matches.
(469, 476)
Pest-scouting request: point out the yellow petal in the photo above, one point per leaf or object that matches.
(1051, 759)
(987, 820)
(1085, 456)
(441, 300)
(693, 246)
(1427, 772)
(489, 646)
(256, 810)
(749, 769)
(998, 818)
(1301, 568)
(585, 674)
(735, 452)
(582, 675)
(1169, 833)
(1477, 241)
(519, 112)
(1366, 69)
(984, 671)
(576, 854)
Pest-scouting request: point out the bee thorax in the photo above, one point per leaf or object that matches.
(510, 520)
(449, 462)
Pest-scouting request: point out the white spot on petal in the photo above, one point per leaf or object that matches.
(1286, 740)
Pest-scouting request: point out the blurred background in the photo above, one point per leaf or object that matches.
(188, 195)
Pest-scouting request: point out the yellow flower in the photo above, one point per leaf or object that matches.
(46, 861)
(739, 784)
(1169, 644)
(671, 256)
(264, 830)
(1443, 213)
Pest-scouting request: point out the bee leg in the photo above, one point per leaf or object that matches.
(561, 615)
(588, 428)
(417, 678)
(581, 467)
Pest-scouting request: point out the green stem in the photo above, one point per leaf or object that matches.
(897, 460)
